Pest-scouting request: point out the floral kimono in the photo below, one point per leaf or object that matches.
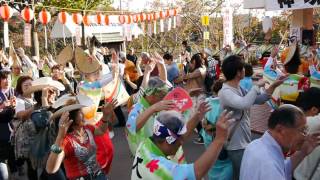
(151, 163)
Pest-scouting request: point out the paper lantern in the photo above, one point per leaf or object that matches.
(99, 18)
(128, 19)
(149, 17)
(136, 18)
(63, 17)
(175, 12)
(155, 16)
(143, 17)
(27, 14)
(44, 17)
(77, 18)
(5, 12)
(106, 20)
(86, 20)
(122, 19)
(168, 13)
(162, 15)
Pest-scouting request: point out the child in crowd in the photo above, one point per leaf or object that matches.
(246, 82)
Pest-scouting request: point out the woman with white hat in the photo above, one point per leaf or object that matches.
(32, 95)
(75, 145)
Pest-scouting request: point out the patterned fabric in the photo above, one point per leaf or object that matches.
(135, 138)
(80, 158)
(25, 131)
(151, 163)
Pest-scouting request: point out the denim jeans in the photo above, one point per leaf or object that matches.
(236, 158)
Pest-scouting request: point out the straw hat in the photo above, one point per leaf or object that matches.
(86, 63)
(291, 52)
(71, 102)
(16, 62)
(65, 55)
(44, 82)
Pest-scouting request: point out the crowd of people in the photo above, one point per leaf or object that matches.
(56, 119)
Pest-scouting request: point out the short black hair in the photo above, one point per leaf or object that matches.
(217, 86)
(4, 74)
(231, 66)
(309, 98)
(285, 115)
(248, 70)
(168, 56)
(293, 66)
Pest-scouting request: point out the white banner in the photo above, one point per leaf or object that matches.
(272, 5)
(27, 35)
(155, 27)
(169, 24)
(161, 25)
(6, 34)
(227, 14)
(149, 29)
(78, 35)
(174, 22)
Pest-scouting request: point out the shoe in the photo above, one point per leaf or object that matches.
(198, 140)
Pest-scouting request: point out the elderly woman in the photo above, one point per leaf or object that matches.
(169, 133)
(75, 145)
(31, 96)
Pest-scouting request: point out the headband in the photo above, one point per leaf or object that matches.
(150, 91)
(161, 131)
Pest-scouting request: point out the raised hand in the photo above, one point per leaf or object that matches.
(311, 142)
(64, 124)
(203, 108)
(222, 126)
(163, 105)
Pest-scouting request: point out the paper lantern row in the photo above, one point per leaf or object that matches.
(27, 14)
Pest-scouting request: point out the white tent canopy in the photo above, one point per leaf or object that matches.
(114, 29)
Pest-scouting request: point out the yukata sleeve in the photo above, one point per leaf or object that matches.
(313, 72)
(177, 171)
(132, 119)
(105, 80)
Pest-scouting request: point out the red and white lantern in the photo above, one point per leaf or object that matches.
(167, 13)
(122, 19)
(162, 15)
(175, 12)
(6, 12)
(27, 14)
(86, 20)
(136, 18)
(99, 18)
(44, 17)
(155, 16)
(106, 20)
(143, 17)
(77, 18)
(149, 17)
(63, 17)
(128, 19)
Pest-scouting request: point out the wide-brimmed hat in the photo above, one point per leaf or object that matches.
(16, 62)
(71, 102)
(291, 51)
(86, 63)
(44, 82)
(65, 55)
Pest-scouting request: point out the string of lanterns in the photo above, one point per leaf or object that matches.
(27, 15)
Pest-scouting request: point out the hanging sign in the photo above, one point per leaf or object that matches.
(206, 35)
(272, 5)
(205, 20)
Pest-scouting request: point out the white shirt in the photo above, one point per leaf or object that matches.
(263, 159)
